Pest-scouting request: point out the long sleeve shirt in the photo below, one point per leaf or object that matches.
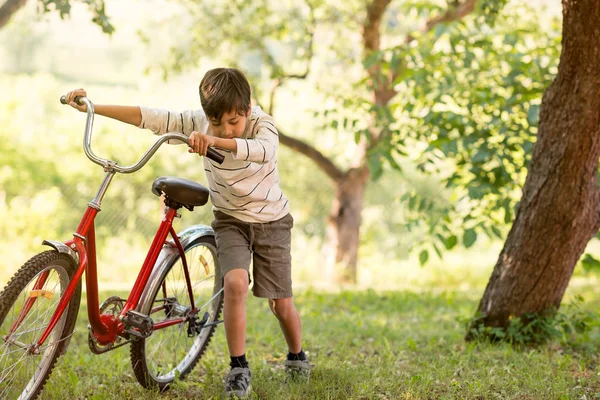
(246, 185)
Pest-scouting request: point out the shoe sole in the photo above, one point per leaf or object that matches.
(237, 394)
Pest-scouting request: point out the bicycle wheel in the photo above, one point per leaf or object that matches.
(23, 374)
(169, 353)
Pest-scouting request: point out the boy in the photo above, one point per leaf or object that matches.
(252, 219)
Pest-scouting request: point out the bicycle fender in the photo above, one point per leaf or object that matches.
(190, 234)
(166, 256)
(62, 248)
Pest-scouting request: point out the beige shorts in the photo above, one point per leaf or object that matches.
(268, 245)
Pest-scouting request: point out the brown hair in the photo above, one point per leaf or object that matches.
(223, 90)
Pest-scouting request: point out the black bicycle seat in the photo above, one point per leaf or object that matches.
(183, 191)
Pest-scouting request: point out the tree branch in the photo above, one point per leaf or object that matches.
(315, 155)
(310, 29)
(452, 14)
(386, 89)
(8, 9)
(295, 144)
(371, 33)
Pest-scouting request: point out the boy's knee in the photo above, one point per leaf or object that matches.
(236, 284)
(281, 308)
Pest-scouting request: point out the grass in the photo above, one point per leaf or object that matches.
(365, 345)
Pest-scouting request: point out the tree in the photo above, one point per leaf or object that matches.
(394, 71)
(63, 7)
(473, 97)
(362, 109)
(559, 211)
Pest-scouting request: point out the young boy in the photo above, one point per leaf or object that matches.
(252, 219)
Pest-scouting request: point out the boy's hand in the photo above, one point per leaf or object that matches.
(200, 142)
(70, 97)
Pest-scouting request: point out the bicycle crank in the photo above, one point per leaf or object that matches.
(112, 306)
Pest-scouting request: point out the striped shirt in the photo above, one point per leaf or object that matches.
(246, 185)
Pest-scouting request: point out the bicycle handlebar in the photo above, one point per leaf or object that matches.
(87, 143)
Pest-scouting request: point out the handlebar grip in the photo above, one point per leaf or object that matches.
(215, 155)
(63, 100)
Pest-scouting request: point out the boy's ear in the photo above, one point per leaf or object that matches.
(249, 111)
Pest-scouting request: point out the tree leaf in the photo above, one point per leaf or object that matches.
(497, 232)
(469, 238)
(533, 114)
(590, 263)
(451, 242)
(423, 257)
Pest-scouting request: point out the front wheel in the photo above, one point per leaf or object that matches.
(170, 353)
(26, 307)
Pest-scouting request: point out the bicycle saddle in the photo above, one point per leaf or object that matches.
(183, 191)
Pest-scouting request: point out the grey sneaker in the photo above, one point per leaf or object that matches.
(297, 369)
(237, 382)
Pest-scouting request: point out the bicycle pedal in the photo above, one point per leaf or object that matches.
(138, 324)
(195, 326)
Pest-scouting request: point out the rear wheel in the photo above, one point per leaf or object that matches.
(26, 307)
(170, 353)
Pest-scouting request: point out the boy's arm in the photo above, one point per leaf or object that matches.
(162, 121)
(199, 143)
(263, 147)
(157, 120)
(128, 114)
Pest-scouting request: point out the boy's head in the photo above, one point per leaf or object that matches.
(225, 99)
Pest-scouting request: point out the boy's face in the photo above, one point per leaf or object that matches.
(232, 125)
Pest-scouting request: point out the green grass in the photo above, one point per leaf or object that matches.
(365, 345)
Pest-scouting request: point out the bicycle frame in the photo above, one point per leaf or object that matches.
(107, 327)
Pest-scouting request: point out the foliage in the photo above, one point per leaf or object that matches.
(473, 96)
(537, 328)
(491, 9)
(470, 90)
(63, 7)
(590, 263)
(335, 89)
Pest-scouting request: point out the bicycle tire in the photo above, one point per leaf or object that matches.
(158, 360)
(27, 381)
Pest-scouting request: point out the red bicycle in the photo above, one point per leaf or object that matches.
(168, 317)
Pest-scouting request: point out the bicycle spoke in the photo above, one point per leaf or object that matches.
(28, 308)
(9, 383)
(32, 311)
(169, 353)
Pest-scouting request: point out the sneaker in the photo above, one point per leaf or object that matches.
(297, 369)
(237, 382)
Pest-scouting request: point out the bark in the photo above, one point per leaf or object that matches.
(309, 151)
(8, 9)
(559, 210)
(343, 226)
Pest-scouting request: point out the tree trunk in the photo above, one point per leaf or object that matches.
(343, 225)
(8, 9)
(560, 209)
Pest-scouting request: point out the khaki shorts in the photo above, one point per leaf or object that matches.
(268, 245)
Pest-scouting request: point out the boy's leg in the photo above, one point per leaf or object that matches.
(289, 321)
(296, 364)
(237, 382)
(233, 240)
(234, 310)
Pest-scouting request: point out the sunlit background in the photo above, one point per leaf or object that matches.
(46, 180)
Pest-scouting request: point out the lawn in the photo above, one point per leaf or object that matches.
(364, 345)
